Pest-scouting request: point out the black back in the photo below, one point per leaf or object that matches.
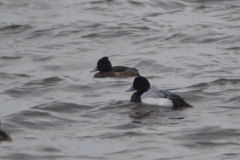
(122, 68)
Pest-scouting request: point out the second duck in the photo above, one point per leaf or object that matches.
(151, 95)
(106, 69)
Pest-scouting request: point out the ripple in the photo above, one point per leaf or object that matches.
(28, 119)
(126, 126)
(92, 35)
(41, 59)
(4, 76)
(168, 5)
(49, 149)
(34, 88)
(191, 46)
(17, 156)
(233, 48)
(121, 134)
(209, 137)
(10, 57)
(218, 82)
(142, 4)
(39, 33)
(46, 81)
(210, 144)
(109, 34)
(229, 107)
(13, 29)
(37, 120)
(62, 107)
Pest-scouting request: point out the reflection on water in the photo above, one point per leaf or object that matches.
(54, 109)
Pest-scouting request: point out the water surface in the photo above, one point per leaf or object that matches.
(54, 109)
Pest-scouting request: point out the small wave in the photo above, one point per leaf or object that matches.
(98, 2)
(201, 7)
(211, 133)
(223, 81)
(10, 57)
(37, 120)
(175, 36)
(126, 126)
(233, 48)
(17, 28)
(52, 46)
(28, 118)
(121, 134)
(136, 3)
(209, 137)
(49, 149)
(4, 76)
(18, 92)
(15, 156)
(209, 144)
(234, 100)
(40, 59)
(220, 81)
(33, 88)
(218, 39)
(67, 33)
(151, 39)
(108, 34)
(92, 35)
(46, 81)
(53, 67)
(229, 107)
(40, 33)
(62, 107)
(189, 39)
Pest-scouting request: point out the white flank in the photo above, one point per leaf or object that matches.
(159, 101)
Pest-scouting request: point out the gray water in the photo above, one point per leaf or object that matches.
(53, 108)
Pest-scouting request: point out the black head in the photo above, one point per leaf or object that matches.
(140, 84)
(103, 65)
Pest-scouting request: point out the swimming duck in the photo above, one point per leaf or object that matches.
(105, 69)
(4, 136)
(154, 96)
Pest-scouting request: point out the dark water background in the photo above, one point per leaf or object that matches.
(53, 108)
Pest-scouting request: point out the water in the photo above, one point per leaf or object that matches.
(53, 108)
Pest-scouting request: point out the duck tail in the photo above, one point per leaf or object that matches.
(179, 102)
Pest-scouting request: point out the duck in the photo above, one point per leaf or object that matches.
(105, 69)
(4, 136)
(154, 96)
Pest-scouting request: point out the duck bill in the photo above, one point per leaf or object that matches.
(130, 89)
(94, 70)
